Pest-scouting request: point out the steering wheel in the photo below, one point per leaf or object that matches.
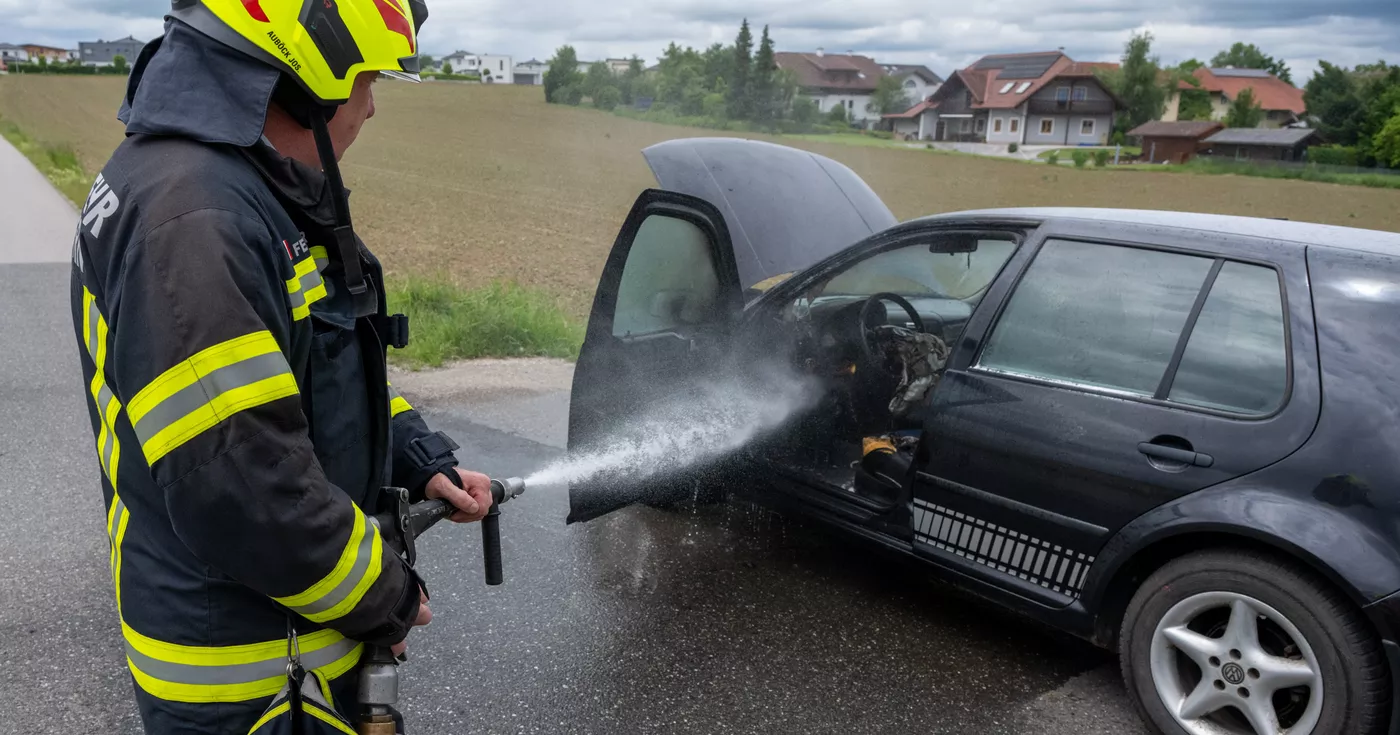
(867, 328)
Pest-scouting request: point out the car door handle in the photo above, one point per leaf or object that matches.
(1172, 454)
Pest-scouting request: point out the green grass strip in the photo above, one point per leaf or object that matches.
(59, 163)
(499, 320)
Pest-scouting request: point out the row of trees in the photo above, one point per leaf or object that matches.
(1145, 85)
(1357, 111)
(1358, 108)
(723, 83)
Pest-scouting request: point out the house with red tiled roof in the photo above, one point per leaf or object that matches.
(1281, 102)
(1043, 98)
(836, 80)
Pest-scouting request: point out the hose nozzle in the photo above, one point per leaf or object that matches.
(504, 490)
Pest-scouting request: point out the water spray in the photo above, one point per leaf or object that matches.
(401, 525)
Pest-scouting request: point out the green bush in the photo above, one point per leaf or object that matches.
(608, 98)
(1013, 148)
(1118, 138)
(1101, 157)
(1053, 158)
(1081, 159)
(499, 320)
(882, 134)
(715, 107)
(571, 94)
(1334, 155)
(457, 77)
(837, 115)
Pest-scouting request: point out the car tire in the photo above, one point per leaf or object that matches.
(1339, 653)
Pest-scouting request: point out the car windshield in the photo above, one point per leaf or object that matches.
(917, 271)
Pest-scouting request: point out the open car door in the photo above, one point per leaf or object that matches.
(732, 217)
(666, 302)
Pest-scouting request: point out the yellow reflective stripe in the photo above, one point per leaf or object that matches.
(231, 673)
(108, 407)
(271, 715)
(315, 711)
(397, 404)
(321, 256)
(207, 389)
(356, 570)
(305, 287)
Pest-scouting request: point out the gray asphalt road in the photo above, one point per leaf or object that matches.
(729, 619)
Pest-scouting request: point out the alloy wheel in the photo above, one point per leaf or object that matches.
(1227, 664)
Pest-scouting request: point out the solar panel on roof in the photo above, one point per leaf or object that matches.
(1019, 67)
(1245, 73)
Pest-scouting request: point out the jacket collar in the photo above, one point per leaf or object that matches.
(183, 84)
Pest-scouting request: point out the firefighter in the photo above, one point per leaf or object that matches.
(232, 332)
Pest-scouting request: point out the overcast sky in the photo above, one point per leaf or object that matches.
(943, 35)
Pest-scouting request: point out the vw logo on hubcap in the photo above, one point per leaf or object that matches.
(1233, 674)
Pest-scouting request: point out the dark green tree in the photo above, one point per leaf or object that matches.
(446, 67)
(1380, 94)
(627, 81)
(889, 96)
(426, 62)
(1248, 56)
(739, 75)
(837, 115)
(1244, 111)
(1139, 82)
(1385, 146)
(119, 63)
(1334, 104)
(562, 72)
(764, 103)
(717, 63)
(599, 76)
(1189, 66)
(804, 111)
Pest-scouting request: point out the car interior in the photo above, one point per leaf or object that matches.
(877, 336)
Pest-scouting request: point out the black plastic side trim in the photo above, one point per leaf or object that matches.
(1014, 506)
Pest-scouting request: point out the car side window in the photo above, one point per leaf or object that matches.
(1097, 315)
(1237, 356)
(669, 281)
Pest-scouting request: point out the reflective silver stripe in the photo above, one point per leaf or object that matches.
(107, 448)
(309, 281)
(235, 673)
(353, 578)
(207, 388)
(93, 316)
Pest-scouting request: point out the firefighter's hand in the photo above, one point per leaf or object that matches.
(471, 503)
(425, 616)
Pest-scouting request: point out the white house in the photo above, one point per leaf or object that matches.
(530, 72)
(12, 54)
(919, 81)
(497, 69)
(463, 62)
(836, 80)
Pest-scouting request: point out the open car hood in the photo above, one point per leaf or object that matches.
(786, 209)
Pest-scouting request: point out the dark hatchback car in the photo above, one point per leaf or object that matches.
(1174, 435)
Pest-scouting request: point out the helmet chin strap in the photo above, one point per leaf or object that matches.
(346, 245)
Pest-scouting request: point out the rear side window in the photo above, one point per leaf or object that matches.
(1237, 357)
(1113, 317)
(1096, 315)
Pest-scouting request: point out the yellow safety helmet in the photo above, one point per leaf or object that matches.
(324, 44)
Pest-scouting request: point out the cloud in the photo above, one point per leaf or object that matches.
(942, 35)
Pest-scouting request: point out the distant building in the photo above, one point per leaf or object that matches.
(1173, 142)
(52, 53)
(12, 54)
(104, 53)
(1281, 102)
(1262, 144)
(463, 62)
(919, 81)
(497, 69)
(1043, 98)
(836, 80)
(530, 72)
